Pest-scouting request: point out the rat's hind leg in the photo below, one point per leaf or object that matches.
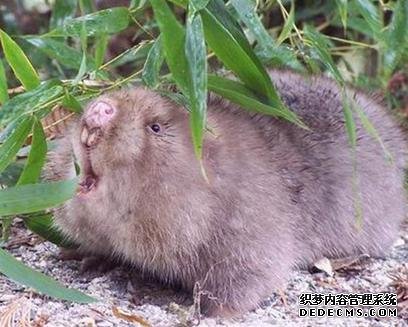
(230, 289)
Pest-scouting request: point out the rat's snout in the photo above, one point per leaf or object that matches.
(99, 115)
(96, 119)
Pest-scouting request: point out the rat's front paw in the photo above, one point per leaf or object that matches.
(88, 262)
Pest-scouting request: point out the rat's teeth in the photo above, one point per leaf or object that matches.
(93, 137)
(84, 135)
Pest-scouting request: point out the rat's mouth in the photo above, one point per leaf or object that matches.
(90, 137)
(89, 140)
(89, 180)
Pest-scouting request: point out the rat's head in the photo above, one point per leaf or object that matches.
(136, 132)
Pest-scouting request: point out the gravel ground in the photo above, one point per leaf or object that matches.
(125, 297)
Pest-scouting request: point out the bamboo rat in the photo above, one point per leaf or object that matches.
(279, 197)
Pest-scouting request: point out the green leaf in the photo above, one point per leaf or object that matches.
(28, 101)
(11, 174)
(61, 11)
(15, 141)
(288, 26)
(226, 38)
(22, 274)
(177, 97)
(355, 23)
(84, 45)
(137, 4)
(108, 21)
(266, 49)
(241, 95)
(36, 158)
(35, 197)
(371, 15)
(135, 55)
(181, 3)
(246, 12)
(173, 36)
(65, 55)
(349, 120)
(197, 5)
(100, 49)
(229, 44)
(320, 45)
(342, 7)
(396, 38)
(371, 130)
(87, 6)
(196, 57)
(71, 103)
(18, 62)
(5, 225)
(154, 61)
(280, 56)
(3, 85)
(43, 224)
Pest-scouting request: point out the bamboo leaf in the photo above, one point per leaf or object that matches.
(22, 274)
(100, 49)
(26, 102)
(36, 158)
(246, 12)
(10, 175)
(226, 38)
(135, 55)
(14, 142)
(173, 37)
(18, 62)
(349, 120)
(35, 197)
(280, 56)
(87, 6)
(355, 23)
(181, 3)
(241, 95)
(320, 45)
(196, 57)
(371, 15)
(342, 7)
(396, 38)
(3, 85)
(197, 5)
(61, 11)
(288, 26)
(267, 50)
(108, 21)
(137, 4)
(65, 55)
(71, 103)
(371, 130)
(153, 64)
(43, 224)
(229, 44)
(84, 45)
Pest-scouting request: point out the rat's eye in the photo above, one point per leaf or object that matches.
(156, 128)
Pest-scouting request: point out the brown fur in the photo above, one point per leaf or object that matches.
(279, 196)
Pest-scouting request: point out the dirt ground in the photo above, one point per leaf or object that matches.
(127, 300)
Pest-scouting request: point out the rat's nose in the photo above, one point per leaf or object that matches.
(99, 114)
(95, 119)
